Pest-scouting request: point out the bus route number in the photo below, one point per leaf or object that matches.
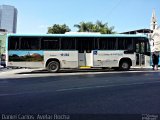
(64, 54)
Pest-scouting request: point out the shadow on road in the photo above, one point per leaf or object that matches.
(81, 71)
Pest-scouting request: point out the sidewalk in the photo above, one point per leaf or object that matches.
(1, 67)
(6, 72)
(26, 73)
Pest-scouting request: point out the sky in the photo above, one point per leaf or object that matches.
(35, 16)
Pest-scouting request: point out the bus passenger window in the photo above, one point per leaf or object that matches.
(29, 43)
(68, 44)
(130, 47)
(50, 43)
(142, 47)
(137, 48)
(13, 43)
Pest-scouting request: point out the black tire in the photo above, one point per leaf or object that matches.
(124, 65)
(53, 66)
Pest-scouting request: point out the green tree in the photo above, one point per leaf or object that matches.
(97, 27)
(58, 29)
(82, 27)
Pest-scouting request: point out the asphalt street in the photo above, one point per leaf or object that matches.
(133, 92)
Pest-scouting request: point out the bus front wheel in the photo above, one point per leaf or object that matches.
(53, 66)
(124, 65)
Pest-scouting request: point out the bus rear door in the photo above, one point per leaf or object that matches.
(85, 55)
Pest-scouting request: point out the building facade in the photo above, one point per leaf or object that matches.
(2, 43)
(153, 24)
(8, 18)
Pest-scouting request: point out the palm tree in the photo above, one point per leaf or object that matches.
(97, 27)
(82, 27)
(103, 28)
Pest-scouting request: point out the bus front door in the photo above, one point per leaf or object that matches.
(140, 53)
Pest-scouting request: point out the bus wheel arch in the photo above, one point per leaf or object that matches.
(125, 64)
(53, 65)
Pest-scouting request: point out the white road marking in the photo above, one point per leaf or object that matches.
(119, 85)
(79, 88)
(13, 94)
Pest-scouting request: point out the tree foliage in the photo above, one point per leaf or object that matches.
(58, 29)
(82, 27)
(97, 27)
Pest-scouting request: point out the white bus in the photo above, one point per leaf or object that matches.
(58, 51)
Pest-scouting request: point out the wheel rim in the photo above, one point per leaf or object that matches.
(53, 67)
(125, 65)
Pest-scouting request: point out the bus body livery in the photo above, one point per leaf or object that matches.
(57, 51)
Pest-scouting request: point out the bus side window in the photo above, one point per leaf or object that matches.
(68, 43)
(13, 43)
(81, 45)
(142, 47)
(109, 43)
(130, 47)
(137, 48)
(30, 43)
(85, 44)
(129, 44)
(50, 43)
(125, 43)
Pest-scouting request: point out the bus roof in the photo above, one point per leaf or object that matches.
(77, 35)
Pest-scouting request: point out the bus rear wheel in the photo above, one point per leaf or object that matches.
(124, 65)
(53, 66)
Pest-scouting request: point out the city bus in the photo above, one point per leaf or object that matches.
(73, 51)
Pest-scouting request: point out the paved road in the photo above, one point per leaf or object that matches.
(133, 92)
